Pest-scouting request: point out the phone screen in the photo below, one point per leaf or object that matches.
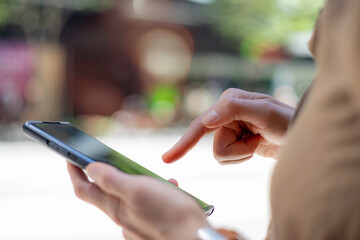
(93, 148)
(81, 142)
(97, 151)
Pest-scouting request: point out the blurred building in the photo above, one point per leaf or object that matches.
(159, 61)
(135, 48)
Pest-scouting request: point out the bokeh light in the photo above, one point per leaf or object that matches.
(165, 55)
(163, 103)
(287, 95)
(197, 99)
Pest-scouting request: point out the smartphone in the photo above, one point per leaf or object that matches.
(81, 149)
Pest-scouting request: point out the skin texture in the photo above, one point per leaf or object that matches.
(244, 123)
(145, 207)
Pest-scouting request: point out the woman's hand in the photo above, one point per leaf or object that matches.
(245, 123)
(145, 207)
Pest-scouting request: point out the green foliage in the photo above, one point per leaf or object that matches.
(5, 11)
(259, 23)
(11, 10)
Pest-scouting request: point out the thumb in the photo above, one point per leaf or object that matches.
(211, 119)
(234, 109)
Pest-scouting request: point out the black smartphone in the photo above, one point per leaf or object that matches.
(81, 149)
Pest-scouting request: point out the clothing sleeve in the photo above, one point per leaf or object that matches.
(315, 190)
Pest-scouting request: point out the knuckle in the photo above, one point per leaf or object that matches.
(229, 108)
(268, 112)
(271, 100)
(229, 91)
(263, 96)
(195, 122)
(271, 114)
(232, 103)
(228, 102)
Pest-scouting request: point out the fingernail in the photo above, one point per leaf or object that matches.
(174, 182)
(211, 118)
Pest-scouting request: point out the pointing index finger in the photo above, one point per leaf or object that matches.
(191, 137)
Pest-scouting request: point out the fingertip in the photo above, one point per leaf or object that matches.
(164, 157)
(97, 170)
(91, 166)
(191, 137)
(91, 170)
(168, 158)
(172, 155)
(95, 165)
(174, 181)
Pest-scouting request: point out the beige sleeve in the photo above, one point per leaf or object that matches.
(315, 191)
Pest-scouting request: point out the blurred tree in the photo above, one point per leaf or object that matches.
(42, 20)
(262, 23)
(7, 9)
(12, 10)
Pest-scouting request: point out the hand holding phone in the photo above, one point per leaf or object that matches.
(143, 206)
(81, 149)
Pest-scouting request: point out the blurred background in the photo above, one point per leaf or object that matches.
(135, 73)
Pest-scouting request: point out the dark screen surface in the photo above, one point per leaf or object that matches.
(80, 141)
(93, 148)
(97, 151)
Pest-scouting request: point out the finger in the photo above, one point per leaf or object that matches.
(83, 188)
(75, 172)
(223, 138)
(111, 180)
(90, 193)
(237, 161)
(174, 181)
(227, 110)
(191, 137)
(228, 147)
(229, 234)
(128, 235)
